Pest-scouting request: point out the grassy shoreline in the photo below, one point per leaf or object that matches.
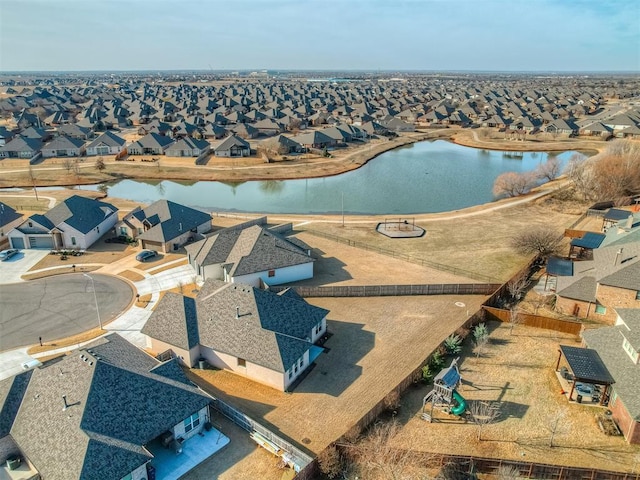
(253, 169)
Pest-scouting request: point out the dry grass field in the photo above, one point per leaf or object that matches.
(517, 371)
(375, 344)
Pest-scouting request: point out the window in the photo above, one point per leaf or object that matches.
(600, 309)
(191, 422)
(123, 230)
(272, 273)
(289, 374)
(139, 230)
(630, 350)
(30, 224)
(73, 240)
(98, 229)
(638, 295)
(242, 362)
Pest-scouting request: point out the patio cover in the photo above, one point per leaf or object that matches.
(615, 214)
(559, 267)
(590, 240)
(586, 365)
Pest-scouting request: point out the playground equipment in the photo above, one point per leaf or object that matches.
(444, 395)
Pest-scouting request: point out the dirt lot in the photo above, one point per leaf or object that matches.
(518, 372)
(376, 343)
(339, 264)
(239, 460)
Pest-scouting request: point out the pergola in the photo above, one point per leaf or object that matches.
(588, 242)
(586, 366)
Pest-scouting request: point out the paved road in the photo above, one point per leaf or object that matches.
(57, 307)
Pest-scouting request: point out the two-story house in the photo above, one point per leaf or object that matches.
(265, 336)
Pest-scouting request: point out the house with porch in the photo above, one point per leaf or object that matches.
(76, 223)
(107, 411)
(250, 254)
(62, 146)
(150, 144)
(265, 336)
(619, 347)
(164, 225)
(106, 144)
(188, 147)
(21, 147)
(232, 146)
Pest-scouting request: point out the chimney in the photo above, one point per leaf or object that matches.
(237, 312)
(66, 405)
(629, 221)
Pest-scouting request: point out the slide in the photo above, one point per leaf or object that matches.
(460, 405)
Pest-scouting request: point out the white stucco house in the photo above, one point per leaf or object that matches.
(75, 223)
(265, 336)
(251, 255)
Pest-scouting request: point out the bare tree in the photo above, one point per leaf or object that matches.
(579, 173)
(512, 184)
(556, 425)
(517, 286)
(330, 462)
(67, 163)
(515, 318)
(32, 177)
(484, 413)
(507, 472)
(543, 241)
(100, 165)
(550, 170)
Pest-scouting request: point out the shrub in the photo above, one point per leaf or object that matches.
(436, 362)
(480, 332)
(330, 461)
(427, 374)
(453, 344)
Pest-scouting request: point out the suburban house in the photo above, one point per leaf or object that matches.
(150, 144)
(9, 219)
(188, 147)
(265, 336)
(21, 147)
(282, 145)
(75, 223)
(251, 255)
(102, 412)
(595, 288)
(106, 144)
(314, 139)
(63, 147)
(164, 225)
(619, 347)
(232, 146)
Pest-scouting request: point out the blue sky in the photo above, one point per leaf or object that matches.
(486, 35)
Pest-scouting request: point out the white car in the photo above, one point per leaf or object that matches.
(7, 254)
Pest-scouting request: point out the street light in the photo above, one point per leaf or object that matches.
(95, 297)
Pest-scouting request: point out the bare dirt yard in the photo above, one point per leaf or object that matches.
(517, 371)
(375, 343)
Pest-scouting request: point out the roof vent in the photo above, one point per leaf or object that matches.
(237, 312)
(66, 405)
(180, 226)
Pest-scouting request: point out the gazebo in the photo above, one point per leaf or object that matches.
(586, 366)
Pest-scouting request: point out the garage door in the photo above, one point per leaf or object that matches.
(41, 242)
(157, 246)
(17, 242)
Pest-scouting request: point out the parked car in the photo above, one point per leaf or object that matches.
(145, 255)
(7, 254)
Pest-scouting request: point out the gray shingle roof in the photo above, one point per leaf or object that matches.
(626, 277)
(583, 289)
(113, 410)
(7, 215)
(271, 330)
(170, 220)
(12, 392)
(174, 321)
(248, 250)
(608, 342)
(109, 139)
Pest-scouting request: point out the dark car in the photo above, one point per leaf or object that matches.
(145, 255)
(7, 254)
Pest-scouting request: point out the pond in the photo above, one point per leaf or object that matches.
(424, 177)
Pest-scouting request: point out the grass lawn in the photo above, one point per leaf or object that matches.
(518, 372)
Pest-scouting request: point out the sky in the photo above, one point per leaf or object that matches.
(444, 35)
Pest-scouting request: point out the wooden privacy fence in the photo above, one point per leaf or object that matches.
(402, 256)
(394, 290)
(537, 321)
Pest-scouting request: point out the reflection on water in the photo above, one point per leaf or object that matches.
(420, 178)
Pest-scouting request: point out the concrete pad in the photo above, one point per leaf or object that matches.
(11, 362)
(166, 280)
(12, 269)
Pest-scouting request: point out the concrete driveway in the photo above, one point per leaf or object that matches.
(11, 270)
(58, 307)
(166, 280)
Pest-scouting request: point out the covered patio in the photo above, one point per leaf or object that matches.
(170, 465)
(585, 374)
